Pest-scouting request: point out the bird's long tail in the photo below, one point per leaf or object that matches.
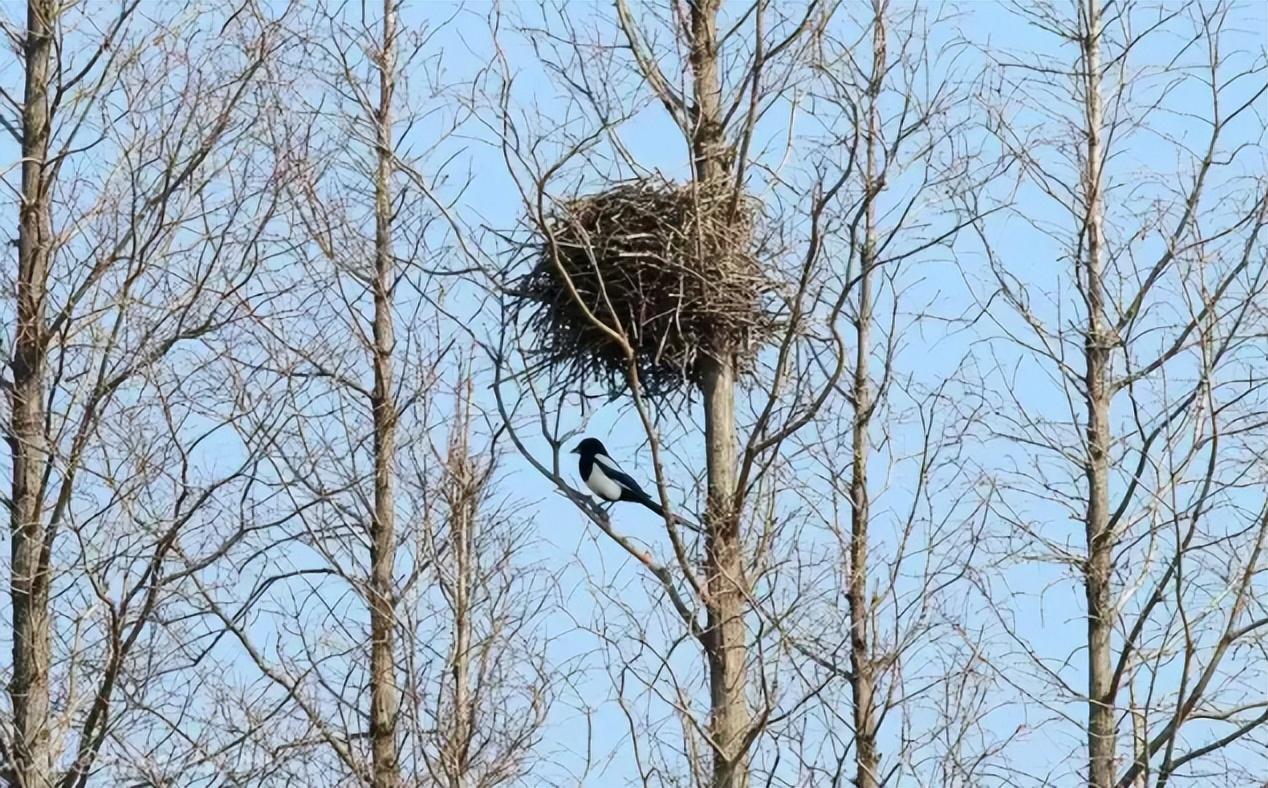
(650, 504)
(647, 501)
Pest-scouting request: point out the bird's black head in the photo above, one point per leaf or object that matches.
(590, 447)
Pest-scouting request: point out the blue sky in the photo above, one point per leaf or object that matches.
(597, 584)
(1046, 598)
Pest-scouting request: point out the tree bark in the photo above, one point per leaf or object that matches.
(725, 639)
(1097, 344)
(862, 679)
(30, 551)
(708, 139)
(383, 692)
(725, 636)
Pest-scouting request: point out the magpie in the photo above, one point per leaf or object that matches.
(606, 479)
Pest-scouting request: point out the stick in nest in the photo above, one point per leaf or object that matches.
(671, 266)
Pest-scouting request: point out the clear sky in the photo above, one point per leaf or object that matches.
(599, 589)
(1045, 599)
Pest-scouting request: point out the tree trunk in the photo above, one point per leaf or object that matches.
(708, 141)
(463, 492)
(725, 639)
(1100, 733)
(459, 739)
(29, 582)
(863, 678)
(383, 694)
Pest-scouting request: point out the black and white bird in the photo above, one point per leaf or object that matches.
(606, 479)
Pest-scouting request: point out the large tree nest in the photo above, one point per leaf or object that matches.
(672, 267)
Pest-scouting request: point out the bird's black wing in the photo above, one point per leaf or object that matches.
(631, 490)
(619, 476)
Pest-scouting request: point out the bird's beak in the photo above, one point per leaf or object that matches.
(575, 451)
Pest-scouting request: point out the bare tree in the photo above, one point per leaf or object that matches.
(360, 70)
(257, 399)
(1145, 338)
(833, 234)
(367, 573)
(384, 406)
(130, 253)
(478, 714)
(714, 124)
(906, 537)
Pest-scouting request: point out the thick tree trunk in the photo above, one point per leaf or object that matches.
(29, 582)
(708, 140)
(383, 693)
(725, 637)
(725, 640)
(1100, 733)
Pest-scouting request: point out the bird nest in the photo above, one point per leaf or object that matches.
(670, 267)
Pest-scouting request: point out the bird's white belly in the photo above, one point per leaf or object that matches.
(603, 486)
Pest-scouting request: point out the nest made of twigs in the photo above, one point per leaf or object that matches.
(672, 267)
